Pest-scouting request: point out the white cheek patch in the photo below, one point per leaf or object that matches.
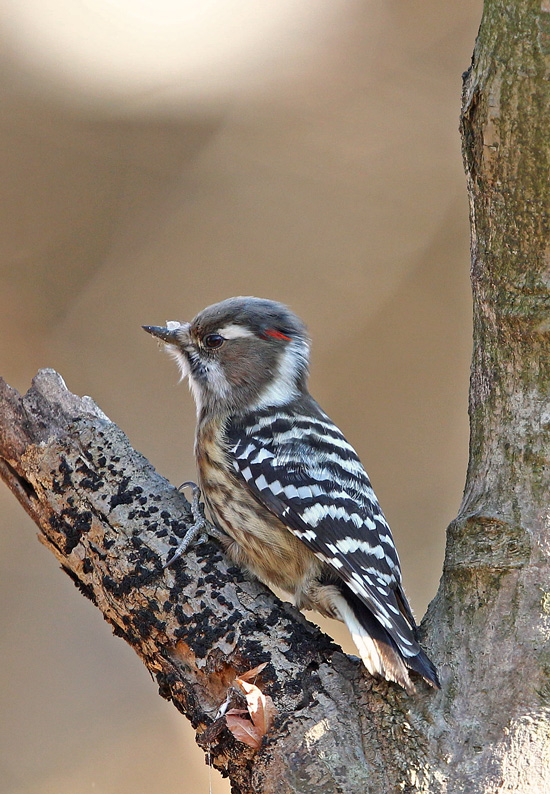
(216, 383)
(234, 332)
(216, 378)
(282, 388)
(195, 390)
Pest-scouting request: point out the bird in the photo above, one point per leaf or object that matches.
(286, 490)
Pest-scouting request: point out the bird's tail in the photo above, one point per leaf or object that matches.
(379, 652)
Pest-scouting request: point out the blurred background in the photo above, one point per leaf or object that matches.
(161, 155)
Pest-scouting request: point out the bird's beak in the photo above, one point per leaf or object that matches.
(169, 335)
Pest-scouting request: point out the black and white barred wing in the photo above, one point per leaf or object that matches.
(306, 473)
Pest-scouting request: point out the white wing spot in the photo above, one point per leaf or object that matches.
(305, 492)
(261, 483)
(351, 545)
(314, 515)
(291, 492)
(385, 621)
(244, 455)
(309, 534)
(408, 650)
(262, 455)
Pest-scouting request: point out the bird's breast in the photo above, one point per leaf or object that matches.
(262, 542)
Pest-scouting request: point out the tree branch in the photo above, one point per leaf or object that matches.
(112, 521)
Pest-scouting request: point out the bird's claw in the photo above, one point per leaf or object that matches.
(197, 529)
(200, 530)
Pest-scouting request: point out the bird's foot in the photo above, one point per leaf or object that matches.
(201, 529)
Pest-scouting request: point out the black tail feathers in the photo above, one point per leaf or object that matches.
(380, 651)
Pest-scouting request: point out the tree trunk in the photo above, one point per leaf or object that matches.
(111, 520)
(493, 607)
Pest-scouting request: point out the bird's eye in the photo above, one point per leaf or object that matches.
(212, 341)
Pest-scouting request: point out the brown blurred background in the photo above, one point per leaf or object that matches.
(158, 157)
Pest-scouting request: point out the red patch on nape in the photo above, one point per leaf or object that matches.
(276, 334)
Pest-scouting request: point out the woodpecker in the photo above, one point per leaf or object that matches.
(287, 490)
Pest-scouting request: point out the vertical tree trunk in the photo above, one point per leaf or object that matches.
(492, 614)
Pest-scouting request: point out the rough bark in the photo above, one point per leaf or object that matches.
(111, 520)
(496, 576)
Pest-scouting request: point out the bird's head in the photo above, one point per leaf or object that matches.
(241, 354)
